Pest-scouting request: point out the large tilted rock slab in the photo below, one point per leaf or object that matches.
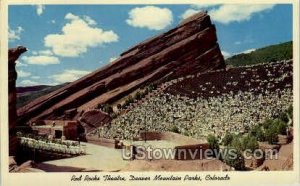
(189, 48)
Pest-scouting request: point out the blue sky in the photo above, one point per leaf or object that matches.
(66, 42)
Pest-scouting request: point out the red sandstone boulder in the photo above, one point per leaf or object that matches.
(93, 119)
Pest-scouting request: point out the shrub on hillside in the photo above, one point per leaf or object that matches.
(284, 117)
(249, 142)
(101, 107)
(267, 124)
(236, 143)
(128, 101)
(254, 130)
(290, 111)
(108, 109)
(271, 135)
(186, 133)
(146, 91)
(175, 129)
(273, 128)
(227, 139)
(151, 87)
(213, 144)
(258, 133)
(137, 95)
(281, 126)
(234, 158)
(263, 55)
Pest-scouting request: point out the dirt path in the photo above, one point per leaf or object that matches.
(176, 165)
(98, 158)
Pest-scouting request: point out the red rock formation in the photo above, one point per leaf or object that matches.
(189, 48)
(93, 119)
(13, 55)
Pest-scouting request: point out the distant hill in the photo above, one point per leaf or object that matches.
(27, 94)
(22, 90)
(267, 54)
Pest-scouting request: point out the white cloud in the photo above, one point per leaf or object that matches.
(28, 82)
(40, 9)
(69, 75)
(229, 13)
(112, 59)
(237, 42)
(22, 73)
(248, 51)
(41, 60)
(188, 13)
(53, 21)
(151, 17)
(195, 8)
(35, 77)
(42, 52)
(225, 54)
(77, 36)
(45, 52)
(71, 16)
(15, 34)
(20, 64)
(89, 20)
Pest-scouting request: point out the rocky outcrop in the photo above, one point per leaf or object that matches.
(13, 55)
(189, 48)
(93, 119)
